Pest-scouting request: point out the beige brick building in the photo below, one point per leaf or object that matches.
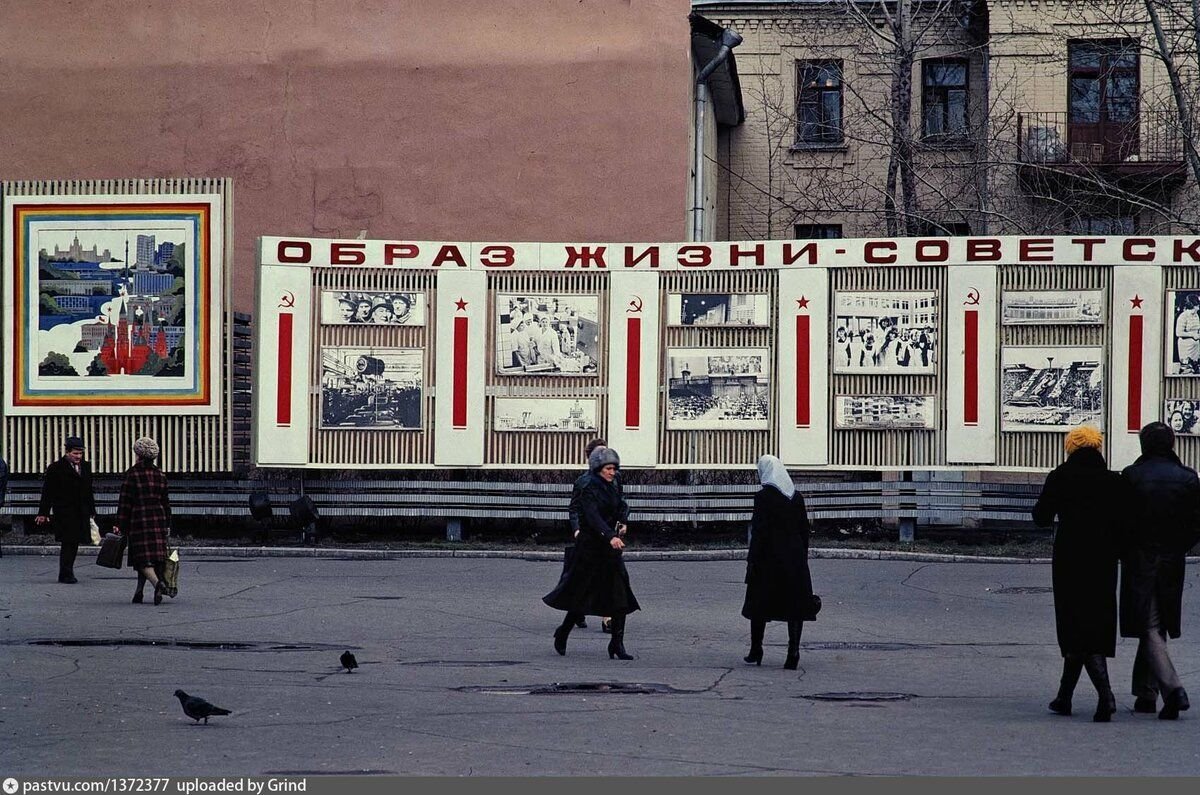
(1026, 117)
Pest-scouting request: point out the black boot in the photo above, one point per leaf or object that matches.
(793, 652)
(1072, 667)
(1097, 668)
(564, 629)
(616, 646)
(757, 630)
(1173, 703)
(139, 593)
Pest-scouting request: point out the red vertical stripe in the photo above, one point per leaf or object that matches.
(460, 373)
(1134, 422)
(633, 372)
(283, 386)
(803, 373)
(971, 368)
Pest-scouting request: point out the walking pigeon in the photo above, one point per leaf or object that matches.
(197, 708)
(348, 661)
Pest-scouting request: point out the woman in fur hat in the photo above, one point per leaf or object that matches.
(144, 514)
(596, 582)
(1086, 498)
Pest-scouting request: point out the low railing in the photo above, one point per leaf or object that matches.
(1152, 137)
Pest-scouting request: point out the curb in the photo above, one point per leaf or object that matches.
(516, 554)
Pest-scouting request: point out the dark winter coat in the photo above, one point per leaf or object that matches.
(595, 581)
(1163, 525)
(778, 583)
(144, 514)
(1086, 498)
(68, 500)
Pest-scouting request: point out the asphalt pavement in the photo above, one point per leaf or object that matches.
(914, 667)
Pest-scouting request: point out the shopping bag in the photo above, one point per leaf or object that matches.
(112, 551)
(170, 575)
(95, 531)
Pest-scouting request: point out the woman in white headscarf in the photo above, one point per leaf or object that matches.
(144, 516)
(778, 584)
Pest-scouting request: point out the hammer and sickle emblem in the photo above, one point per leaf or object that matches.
(972, 298)
(635, 305)
(287, 300)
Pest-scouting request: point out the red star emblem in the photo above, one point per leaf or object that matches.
(1136, 301)
(461, 304)
(802, 301)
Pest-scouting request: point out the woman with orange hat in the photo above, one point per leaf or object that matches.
(1086, 498)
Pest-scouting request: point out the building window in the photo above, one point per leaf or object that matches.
(818, 231)
(948, 229)
(944, 98)
(1103, 225)
(819, 103)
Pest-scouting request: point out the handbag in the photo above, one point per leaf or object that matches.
(814, 607)
(112, 551)
(170, 575)
(95, 530)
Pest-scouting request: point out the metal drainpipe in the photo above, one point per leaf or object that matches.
(729, 40)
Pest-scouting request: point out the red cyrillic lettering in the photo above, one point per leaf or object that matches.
(1089, 246)
(1192, 250)
(983, 249)
(702, 256)
(395, 251)
(735, 254)
(1130, 255)
(871, 247)
(497, 256)
(941, 250)
(791, 253)
(303, 247)
(583, 256)
(449, 254)
(347, 253)
(631, 261)
(1032, 247)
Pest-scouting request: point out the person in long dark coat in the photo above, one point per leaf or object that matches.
(144, 515)
(596, 582)
(573, 518)
(778, 583)
(1165, 524)
(1086, 498)
(67, 497)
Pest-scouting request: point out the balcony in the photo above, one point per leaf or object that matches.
(1140, 153)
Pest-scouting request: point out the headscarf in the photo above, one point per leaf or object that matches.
(1081, 437)
(146, 448)
(772, 472)
(601, 457)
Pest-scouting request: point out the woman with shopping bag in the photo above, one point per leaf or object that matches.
(144, 516)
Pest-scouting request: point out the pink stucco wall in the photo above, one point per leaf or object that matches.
(418, 119)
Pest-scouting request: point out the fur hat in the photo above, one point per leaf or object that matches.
(601, 457)
(1083, 436)
(73, 443)
(146, 448)
(1157, 438)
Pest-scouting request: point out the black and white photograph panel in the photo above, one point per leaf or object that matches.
(1183, 333)
(718, 388)
(378, 388)
(883, 412)
(545, 414)
(346, 308)
(1052, 308)
(547, 334)
(892, 332)
(1183, 416)
(718, 309)
(1051, 389)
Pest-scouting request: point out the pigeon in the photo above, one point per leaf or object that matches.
(348, 661)
(197, 708)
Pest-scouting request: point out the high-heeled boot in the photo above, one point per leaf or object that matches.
(616, 646)
(139, 594)
(1097, 669)
(793, 652)
(560, 634)
(757, 630)
(1072, 668)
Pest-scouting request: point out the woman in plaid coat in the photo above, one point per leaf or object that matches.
(144, 514)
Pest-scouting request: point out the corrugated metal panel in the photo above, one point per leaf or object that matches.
(1045, 450)
(189, 443)
(908, 448)
(716, 448)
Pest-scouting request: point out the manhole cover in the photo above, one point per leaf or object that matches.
(466, 663)
(1025, 589)
(574, 688)
(846, 646)
(860, 695)
(167, 643)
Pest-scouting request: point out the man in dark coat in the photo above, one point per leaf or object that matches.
(1163, 526)
(67, 495)
(573, 516)
(1086, 498)
(596, 582)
